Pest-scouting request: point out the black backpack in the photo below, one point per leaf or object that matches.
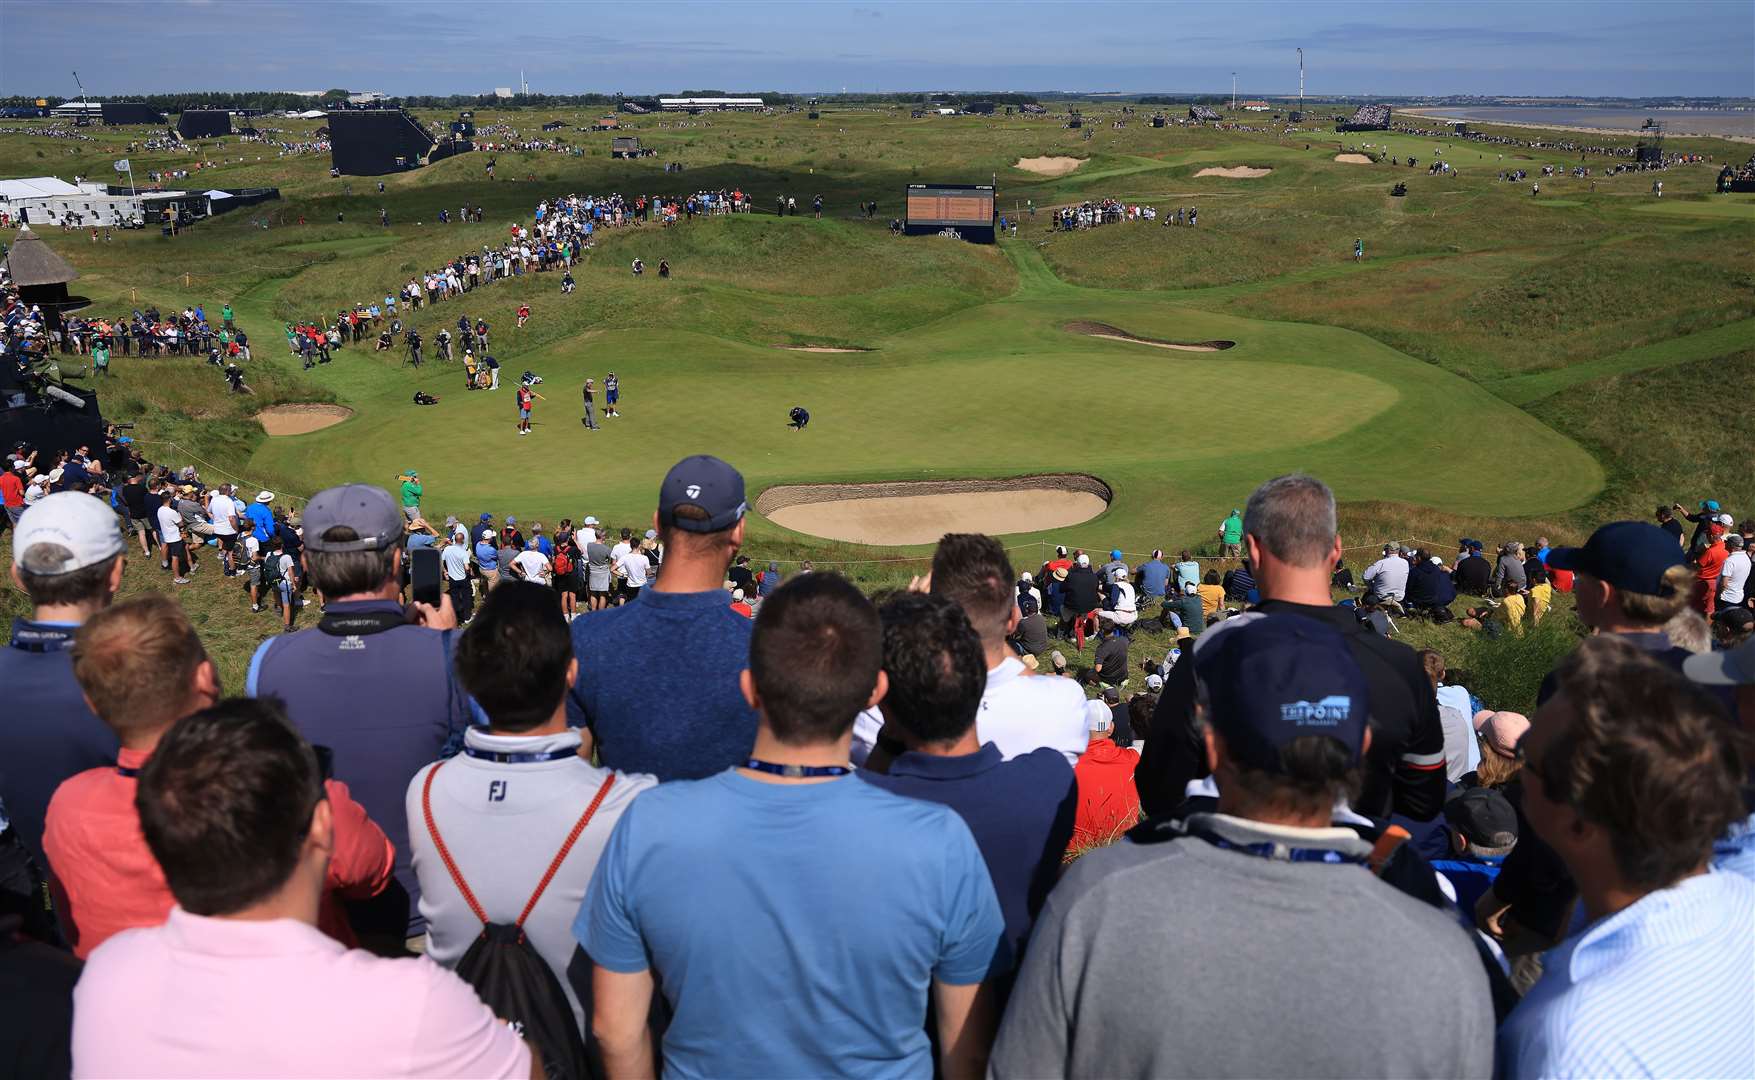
(511, 979)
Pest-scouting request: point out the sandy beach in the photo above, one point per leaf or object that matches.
(1450, 114)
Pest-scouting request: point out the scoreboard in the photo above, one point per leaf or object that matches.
(958, 211)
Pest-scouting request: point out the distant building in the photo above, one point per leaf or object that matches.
(710, 104)
(366, 97)
(48, 200)
(1256, 106)
(502, 91)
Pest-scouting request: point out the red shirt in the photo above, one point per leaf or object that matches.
(12, 488)
(743, 609)
(1108, 802)
(110, 882)
(524, 398)
(1712, 560)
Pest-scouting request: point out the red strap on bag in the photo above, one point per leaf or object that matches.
(426, 805)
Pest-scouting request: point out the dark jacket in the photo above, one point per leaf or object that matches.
(1080, 590)
(1472, 575)
(1429, 586)
(1404, 770)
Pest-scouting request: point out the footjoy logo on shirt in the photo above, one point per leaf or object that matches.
(1328, 712)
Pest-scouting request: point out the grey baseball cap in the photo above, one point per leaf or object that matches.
(365, 508)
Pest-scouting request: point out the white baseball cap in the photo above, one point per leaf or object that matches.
(1084, 560)
(74, 520)
(1154, 683)
(1097, 716)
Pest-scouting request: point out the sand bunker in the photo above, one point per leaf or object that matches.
(919, 512)
(1235, 172)
(1115, 333)
(1049, 166)
(819, 348)
(301, 419)
(1354, 159)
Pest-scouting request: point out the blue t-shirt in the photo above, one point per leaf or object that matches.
(487, 556)
(1020, 811)
(261, 520)
(831, 908)
(1153, 577)
(658, 684)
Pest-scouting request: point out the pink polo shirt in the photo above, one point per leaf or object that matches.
(202, 997)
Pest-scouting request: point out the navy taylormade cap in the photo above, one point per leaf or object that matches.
(1278, 678)
(1630, 555)
(707, 484)
(365, 508)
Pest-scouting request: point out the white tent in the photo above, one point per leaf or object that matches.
(217, 194)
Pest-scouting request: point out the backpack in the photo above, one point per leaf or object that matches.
(562, 564)
(511, 979)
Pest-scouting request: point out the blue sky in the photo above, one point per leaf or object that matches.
(1583, 47)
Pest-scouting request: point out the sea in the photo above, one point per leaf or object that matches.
(1675, 121)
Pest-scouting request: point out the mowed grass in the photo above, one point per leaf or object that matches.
(1490, 369)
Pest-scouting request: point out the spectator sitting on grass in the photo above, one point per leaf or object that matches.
(1239, 583)
(1187, 570)
(858, 901)
(1020, 810)
(1387, 578)
(516, 660)
(142, 668)
(1081, 599)
(1631, 776)
(1111, 660)
(234, 810)
(1482, 829)
(1122, 609)
(1108, 805)
(1212, 595)
(1185, 610)
(1473, 575)
(1032, 631)
(1429, 589)
(1153, 577)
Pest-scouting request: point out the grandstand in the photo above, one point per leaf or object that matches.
(711, 104)
(1201, 113)
(1367, 118)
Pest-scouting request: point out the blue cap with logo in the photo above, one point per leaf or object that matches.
(707, 485)
(1277, 678)
(1630, 555)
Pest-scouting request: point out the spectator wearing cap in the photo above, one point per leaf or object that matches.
(1289, 529)
(454, 563)
(598, 572)
(1733, 575)
(1430, 590)
(411, 492)
(658, 679)
(1081, 600)
(1020, 810)
(1122, 606)
(1263, 883)
(1106, 572)
(549, 810)
(1629, 579)
(844, 896)
(142, 668)
(1031, 634)
(1019, 712)
(1473, 574)
(1387, 578)
(240, 980)
(1733, 670)
(1027, 587)
(1231, 535)
(67, 556)
(1702, 521)
(740, 605)
(1108, 805)
(1631, 775)
(768, 580)
(1185, 610)
(487, 554)
(1153, 577)
(1732, 626)
(1053, 578)
(371, 681)
(1482, 830)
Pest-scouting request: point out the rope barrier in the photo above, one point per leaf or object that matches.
(222, 472)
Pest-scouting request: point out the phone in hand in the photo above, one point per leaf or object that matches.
(424, 576)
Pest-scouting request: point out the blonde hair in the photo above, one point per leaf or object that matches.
(135, 662)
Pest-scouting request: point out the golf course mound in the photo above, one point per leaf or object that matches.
(1353, 159)
(921, 511)
(824, 348)
(1235, 172)
(1049, 166)
(301, 419)
(1115, 333)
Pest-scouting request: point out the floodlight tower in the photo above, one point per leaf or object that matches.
(1233, 91)
(1300, 78)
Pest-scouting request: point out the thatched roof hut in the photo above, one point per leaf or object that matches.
(32, 262)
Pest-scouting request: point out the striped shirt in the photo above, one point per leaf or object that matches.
(1665, 987)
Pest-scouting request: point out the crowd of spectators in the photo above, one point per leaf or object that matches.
(536, 795)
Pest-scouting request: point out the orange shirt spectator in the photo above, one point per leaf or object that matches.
(109, 881)
(1108, 802)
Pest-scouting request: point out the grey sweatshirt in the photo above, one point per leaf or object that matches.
(1182, 958)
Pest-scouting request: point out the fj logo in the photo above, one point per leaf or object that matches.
(497, 791)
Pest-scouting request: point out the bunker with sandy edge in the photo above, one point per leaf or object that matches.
(1235, 172)
(1048, 166)
(921, 511)
(301, 419)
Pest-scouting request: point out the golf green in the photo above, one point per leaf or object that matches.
(997, 389)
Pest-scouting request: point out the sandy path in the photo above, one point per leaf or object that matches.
(1353, 159)
(1049, 166)
(1115, 333)
(817, 348)
(301, 419)
(921, 512)
(1234, 172)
